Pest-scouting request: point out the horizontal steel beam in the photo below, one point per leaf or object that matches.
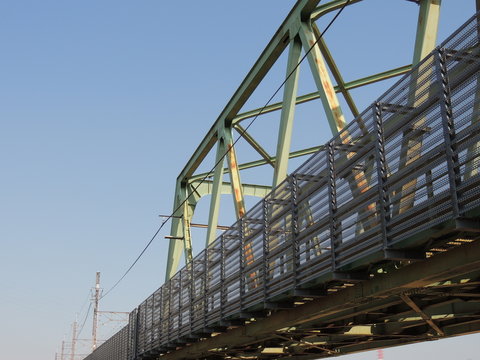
(206, 187)
(371, 79)
(252, 164)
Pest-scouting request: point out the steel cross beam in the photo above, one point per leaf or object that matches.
(297, 31)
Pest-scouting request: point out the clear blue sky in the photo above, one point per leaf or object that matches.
(101, 105)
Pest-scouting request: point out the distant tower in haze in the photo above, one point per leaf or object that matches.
(96, 300)
(74, 339)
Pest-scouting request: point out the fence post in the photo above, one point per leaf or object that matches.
(265, 249)
(192, 294)
(382, 174)
(242, 262)
(332, 197)
(169, 310)
(160, 316)
(448, 127)
(180, 290)
(222, 277)
(205, 287)
(294, 240)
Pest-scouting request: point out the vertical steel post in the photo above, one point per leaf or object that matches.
(332, 197)
(448, 128)
(152, 322)
(192, 295)
(294, 224)
(169, 320)
(382, 173)
(141, 327)
(160, 316)
(426, 37)
(175, 249)
(236, 183)
(427, 29)
(135, 345)
(242, 262)
(216, 192)
(265, 249)
(187, 238)
(222, 276)
(205, 287)
(288, 111)
(179, 305)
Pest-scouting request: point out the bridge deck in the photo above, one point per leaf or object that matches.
(372, 242)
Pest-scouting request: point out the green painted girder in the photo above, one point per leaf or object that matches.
(427, 29)
(215, 199)
(176, 231)
(425, 42)
(288, 111)
(328, 96)
(206, 188)
(335, 72)
(298, 22)
(329, 7)
(254, 144)
(371, 79)
(267, 59)
(256, 163)
(234, 172)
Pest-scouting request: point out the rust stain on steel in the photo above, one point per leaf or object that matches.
(359, 175)
(236, 181)
(247, 249)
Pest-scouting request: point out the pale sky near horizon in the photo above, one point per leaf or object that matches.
(103, 103)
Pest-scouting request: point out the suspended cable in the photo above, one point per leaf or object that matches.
(138, 257)
(85, 302)
(84, 320)
(241, 134)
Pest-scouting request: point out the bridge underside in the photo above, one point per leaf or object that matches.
(410, 302)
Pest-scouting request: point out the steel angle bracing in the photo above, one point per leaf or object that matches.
(325, 264)
(299, 30)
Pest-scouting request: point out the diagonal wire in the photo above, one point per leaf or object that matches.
(85, 302)
(84, 320)
(226, 153)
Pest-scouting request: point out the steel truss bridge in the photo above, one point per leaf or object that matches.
(372, 242)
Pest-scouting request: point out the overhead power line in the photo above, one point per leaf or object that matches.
(84, 320)
(226, 153)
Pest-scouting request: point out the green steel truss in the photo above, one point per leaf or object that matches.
(298, 31)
